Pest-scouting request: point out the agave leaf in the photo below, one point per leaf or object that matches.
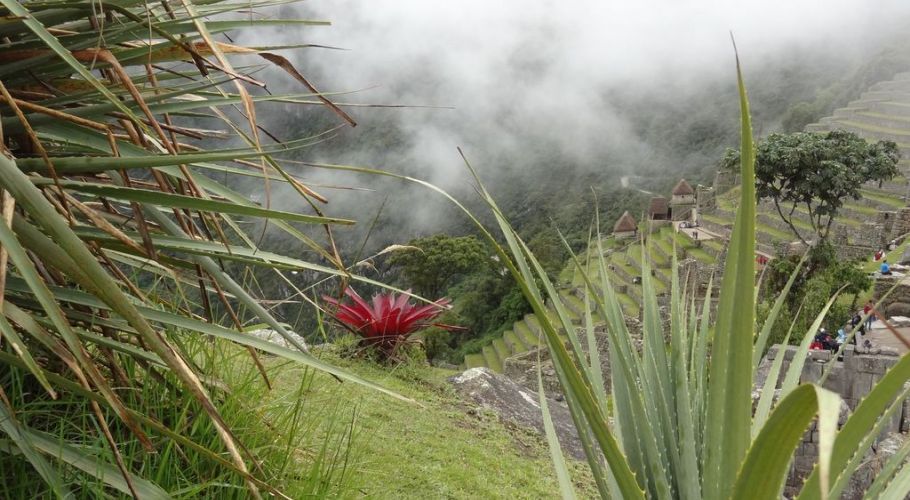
(729, 407)
(759, 348)
(767, 463)
(860, 428)
(799, 359)
(688, 474)
(899, 487)
(562, 471)
(889, 477)
(763, 409)
(660, 402)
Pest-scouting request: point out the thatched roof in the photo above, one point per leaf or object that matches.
(683, 188)
(658, 207)
(625, 223)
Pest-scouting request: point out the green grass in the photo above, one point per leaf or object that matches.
(774, 233)
(444, 448)
(892, 201)
(306, 459)
(863, 209)
(893, 256)
(716, 245)
(700, 255)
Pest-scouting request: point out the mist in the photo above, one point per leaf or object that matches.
(538, 85)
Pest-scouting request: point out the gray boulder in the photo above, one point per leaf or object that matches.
(898, 309)
(517, 405)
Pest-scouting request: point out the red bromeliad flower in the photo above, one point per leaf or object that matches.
(389, 320)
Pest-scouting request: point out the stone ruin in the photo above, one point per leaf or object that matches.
(852, 378)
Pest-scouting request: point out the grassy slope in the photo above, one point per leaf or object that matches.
(445, 449)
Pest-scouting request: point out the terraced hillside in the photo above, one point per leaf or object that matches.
(881, 113)
(624, 261)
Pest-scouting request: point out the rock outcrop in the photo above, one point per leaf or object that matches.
(517, 405)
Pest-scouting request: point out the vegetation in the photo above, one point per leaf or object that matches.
(817, 171)
(818, 277)
(437, 261)
(116, 240)
(683, 426)
(446, 448)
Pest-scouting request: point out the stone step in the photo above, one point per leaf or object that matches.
(849, 111)
(502, 350)
(874, 132)
(885, 95)
(573, 305)
(474, 361)
(891, 86)
(516, 344)
(525, 334)
(881, 200)
(491, 360)
(878, 119)
(715, 247)
(892, 108)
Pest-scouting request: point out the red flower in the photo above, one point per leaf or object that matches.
(389, 320)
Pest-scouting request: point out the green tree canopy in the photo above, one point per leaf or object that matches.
(817, 171)
(440, 260)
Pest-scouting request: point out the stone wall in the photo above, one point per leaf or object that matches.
(900, 225)
(725, 180)
(706, 198)
(852, 378)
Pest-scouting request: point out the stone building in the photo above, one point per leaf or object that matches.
(659, 209)
(625, 227)
(682, 201)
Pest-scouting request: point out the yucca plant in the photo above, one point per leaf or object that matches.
(107, 185)
(676, 418)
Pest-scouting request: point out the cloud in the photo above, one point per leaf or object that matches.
(534, 78)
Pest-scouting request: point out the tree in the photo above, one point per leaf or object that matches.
(433, 268)
(817, 171)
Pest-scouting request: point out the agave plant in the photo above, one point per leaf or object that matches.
(105, 184)
(389, 320)
(676, 418)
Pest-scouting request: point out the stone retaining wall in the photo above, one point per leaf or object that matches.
(853, 379)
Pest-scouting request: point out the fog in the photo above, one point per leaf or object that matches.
(517, 81)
